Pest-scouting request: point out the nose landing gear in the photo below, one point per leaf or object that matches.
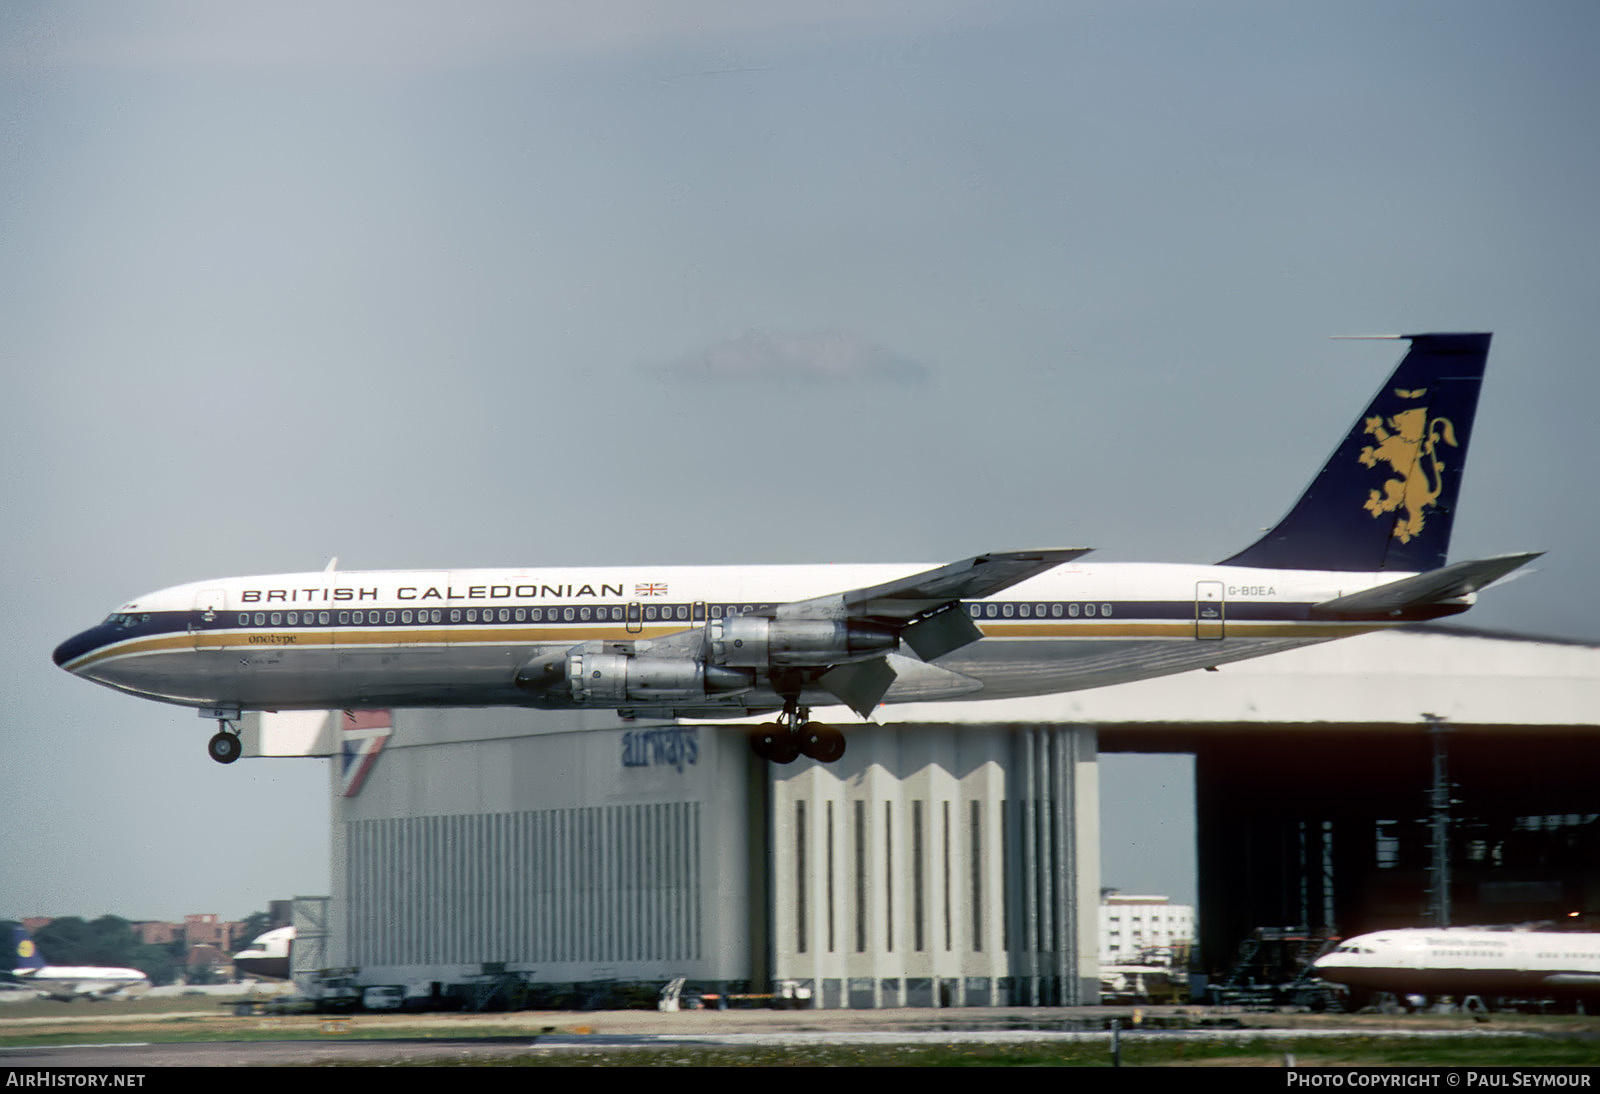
(794, 734)
(225, 747)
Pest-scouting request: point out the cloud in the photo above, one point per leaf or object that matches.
(821, 357)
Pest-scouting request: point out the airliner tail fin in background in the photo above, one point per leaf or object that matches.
(1386, 498)
(24, 954)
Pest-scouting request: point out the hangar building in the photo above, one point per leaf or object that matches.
(952, 856)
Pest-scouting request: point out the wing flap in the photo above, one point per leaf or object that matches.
(1447, 582)
(908, 597)
(942, 632)
(859, 685)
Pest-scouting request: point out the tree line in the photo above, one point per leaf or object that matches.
(111, 940)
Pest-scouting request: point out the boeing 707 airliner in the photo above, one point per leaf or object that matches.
(1363, 548)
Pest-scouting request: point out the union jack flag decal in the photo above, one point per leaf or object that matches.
(656, 588)
(362, 736)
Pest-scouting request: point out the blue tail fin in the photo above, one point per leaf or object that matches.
(1386, 499)
(24, 955)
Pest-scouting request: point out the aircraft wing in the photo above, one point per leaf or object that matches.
(923, 610)
(1445, 583)
(925, 607)
(908, 597)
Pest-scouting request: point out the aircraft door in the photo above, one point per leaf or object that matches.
(635, 620)
(1210, 610)
(207, 623)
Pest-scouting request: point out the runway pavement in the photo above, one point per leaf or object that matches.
(118, 1042)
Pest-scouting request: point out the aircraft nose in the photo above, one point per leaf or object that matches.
(75, 647)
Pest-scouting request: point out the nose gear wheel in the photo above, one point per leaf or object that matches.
(225, 747)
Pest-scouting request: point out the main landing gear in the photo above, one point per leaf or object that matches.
(793, 735)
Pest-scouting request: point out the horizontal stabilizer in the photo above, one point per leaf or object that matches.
(1448, 582)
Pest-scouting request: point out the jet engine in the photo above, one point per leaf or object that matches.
(723, 659)
(755, 642)
(596, 672)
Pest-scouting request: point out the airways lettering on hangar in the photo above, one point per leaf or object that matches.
(670, 746)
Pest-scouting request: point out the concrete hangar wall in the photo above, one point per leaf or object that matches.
(934, 864)
(950, 858)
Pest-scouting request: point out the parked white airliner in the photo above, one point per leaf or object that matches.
(1363, 548)
(1461, 961)
(69, 982)
(267, 956)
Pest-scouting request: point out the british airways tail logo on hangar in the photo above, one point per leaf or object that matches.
(1409, 443)
(362, 735)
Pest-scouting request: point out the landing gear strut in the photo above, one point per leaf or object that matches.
(225, 747)
(794, 734)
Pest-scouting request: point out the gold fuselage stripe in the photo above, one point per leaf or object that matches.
(565, 634)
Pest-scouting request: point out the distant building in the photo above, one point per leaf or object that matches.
(1144, 930)
(158, 932)
(209, 930)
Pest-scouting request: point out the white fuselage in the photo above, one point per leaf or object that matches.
(457, 637)
(267, 956)
(1467, 961)
(75, 980)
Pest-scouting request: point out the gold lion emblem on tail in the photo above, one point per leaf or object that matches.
(1410, 443)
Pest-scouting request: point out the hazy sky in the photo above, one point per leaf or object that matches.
(558, 283)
